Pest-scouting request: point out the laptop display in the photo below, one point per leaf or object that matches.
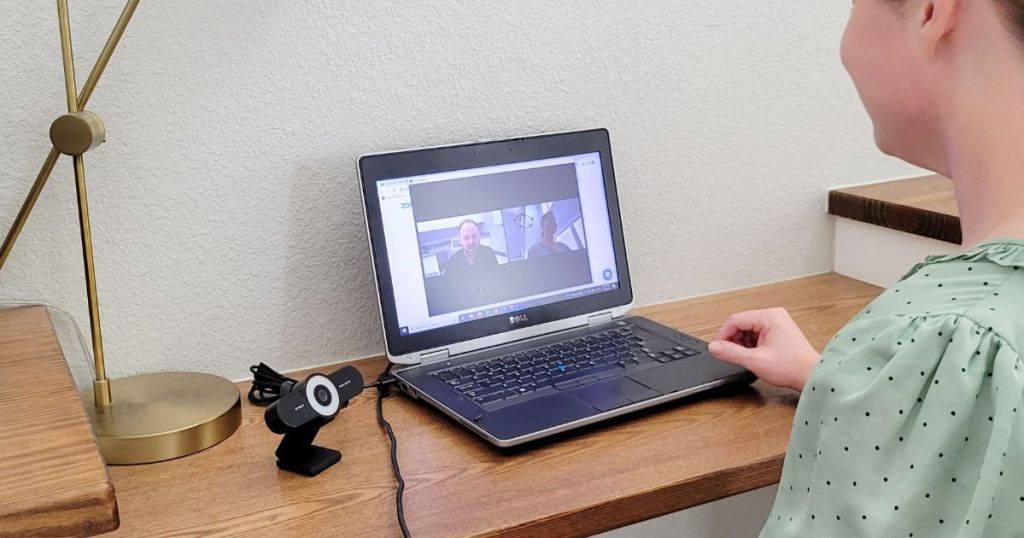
(492, 241)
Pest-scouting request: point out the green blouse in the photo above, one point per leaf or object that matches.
(912, 424)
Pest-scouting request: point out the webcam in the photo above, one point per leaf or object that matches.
(301, 411)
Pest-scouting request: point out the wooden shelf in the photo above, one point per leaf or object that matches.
(52, 479)
(923, 206)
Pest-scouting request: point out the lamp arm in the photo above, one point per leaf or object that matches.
(106, 52)
(101, 385)
(82, 101)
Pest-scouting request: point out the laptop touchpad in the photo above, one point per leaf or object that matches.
(686, 374)
(613, 393)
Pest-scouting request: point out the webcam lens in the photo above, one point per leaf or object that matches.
(322, 395)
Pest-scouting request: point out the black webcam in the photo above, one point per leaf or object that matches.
(302, 410)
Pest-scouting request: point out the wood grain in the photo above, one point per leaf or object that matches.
(662, 461)
(52, 479)
(923, 206)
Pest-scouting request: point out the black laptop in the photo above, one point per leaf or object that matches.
(504, 289)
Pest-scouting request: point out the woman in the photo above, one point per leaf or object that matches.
(911, 423)
(547, 244)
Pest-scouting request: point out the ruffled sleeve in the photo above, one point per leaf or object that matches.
(909, 425)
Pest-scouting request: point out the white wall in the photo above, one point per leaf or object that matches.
(226, 218)
(879, 255)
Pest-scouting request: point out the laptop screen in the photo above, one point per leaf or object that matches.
(475, 240)
(469, 244)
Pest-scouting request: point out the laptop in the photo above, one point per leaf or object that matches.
(504, 288)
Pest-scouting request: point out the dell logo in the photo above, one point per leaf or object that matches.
(516, 320)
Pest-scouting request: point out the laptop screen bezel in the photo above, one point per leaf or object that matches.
(416, 162)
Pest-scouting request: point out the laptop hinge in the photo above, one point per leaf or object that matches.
(433, 356)
(597, 319)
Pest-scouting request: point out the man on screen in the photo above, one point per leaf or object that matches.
(474, 260)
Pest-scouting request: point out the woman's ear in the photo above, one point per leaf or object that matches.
(938, 19)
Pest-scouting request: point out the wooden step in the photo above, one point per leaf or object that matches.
(923, 206)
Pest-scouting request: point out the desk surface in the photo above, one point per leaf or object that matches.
(677, 457)
(52, 479)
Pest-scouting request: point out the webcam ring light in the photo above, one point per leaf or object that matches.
(321, 381)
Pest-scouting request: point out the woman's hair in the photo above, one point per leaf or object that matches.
(1013, 12)
(546, 216)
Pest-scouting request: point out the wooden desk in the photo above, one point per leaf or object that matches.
(52, 479)
(456, 485)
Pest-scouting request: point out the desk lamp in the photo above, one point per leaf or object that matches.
(143, 418)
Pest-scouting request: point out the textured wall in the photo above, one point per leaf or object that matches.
(226, 218)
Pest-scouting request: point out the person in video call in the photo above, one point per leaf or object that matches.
(911, 421)
(547, 244)
(473, 259)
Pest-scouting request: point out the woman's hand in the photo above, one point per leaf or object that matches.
(769, 344)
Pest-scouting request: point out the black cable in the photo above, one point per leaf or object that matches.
(382, 384)
(266, 384)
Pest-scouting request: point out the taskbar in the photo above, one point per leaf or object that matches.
(516, 307)
(540, 301)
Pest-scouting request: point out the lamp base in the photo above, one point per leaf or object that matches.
(162, 416)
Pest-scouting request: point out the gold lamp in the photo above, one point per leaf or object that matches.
(144, 418)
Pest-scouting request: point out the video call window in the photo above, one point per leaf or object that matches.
(498, 237)
(511, 234)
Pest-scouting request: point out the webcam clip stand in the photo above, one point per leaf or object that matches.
(298, 454)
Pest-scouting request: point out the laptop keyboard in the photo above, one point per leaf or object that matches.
(559, 366)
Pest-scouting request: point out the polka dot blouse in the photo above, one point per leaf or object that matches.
(912, 424)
